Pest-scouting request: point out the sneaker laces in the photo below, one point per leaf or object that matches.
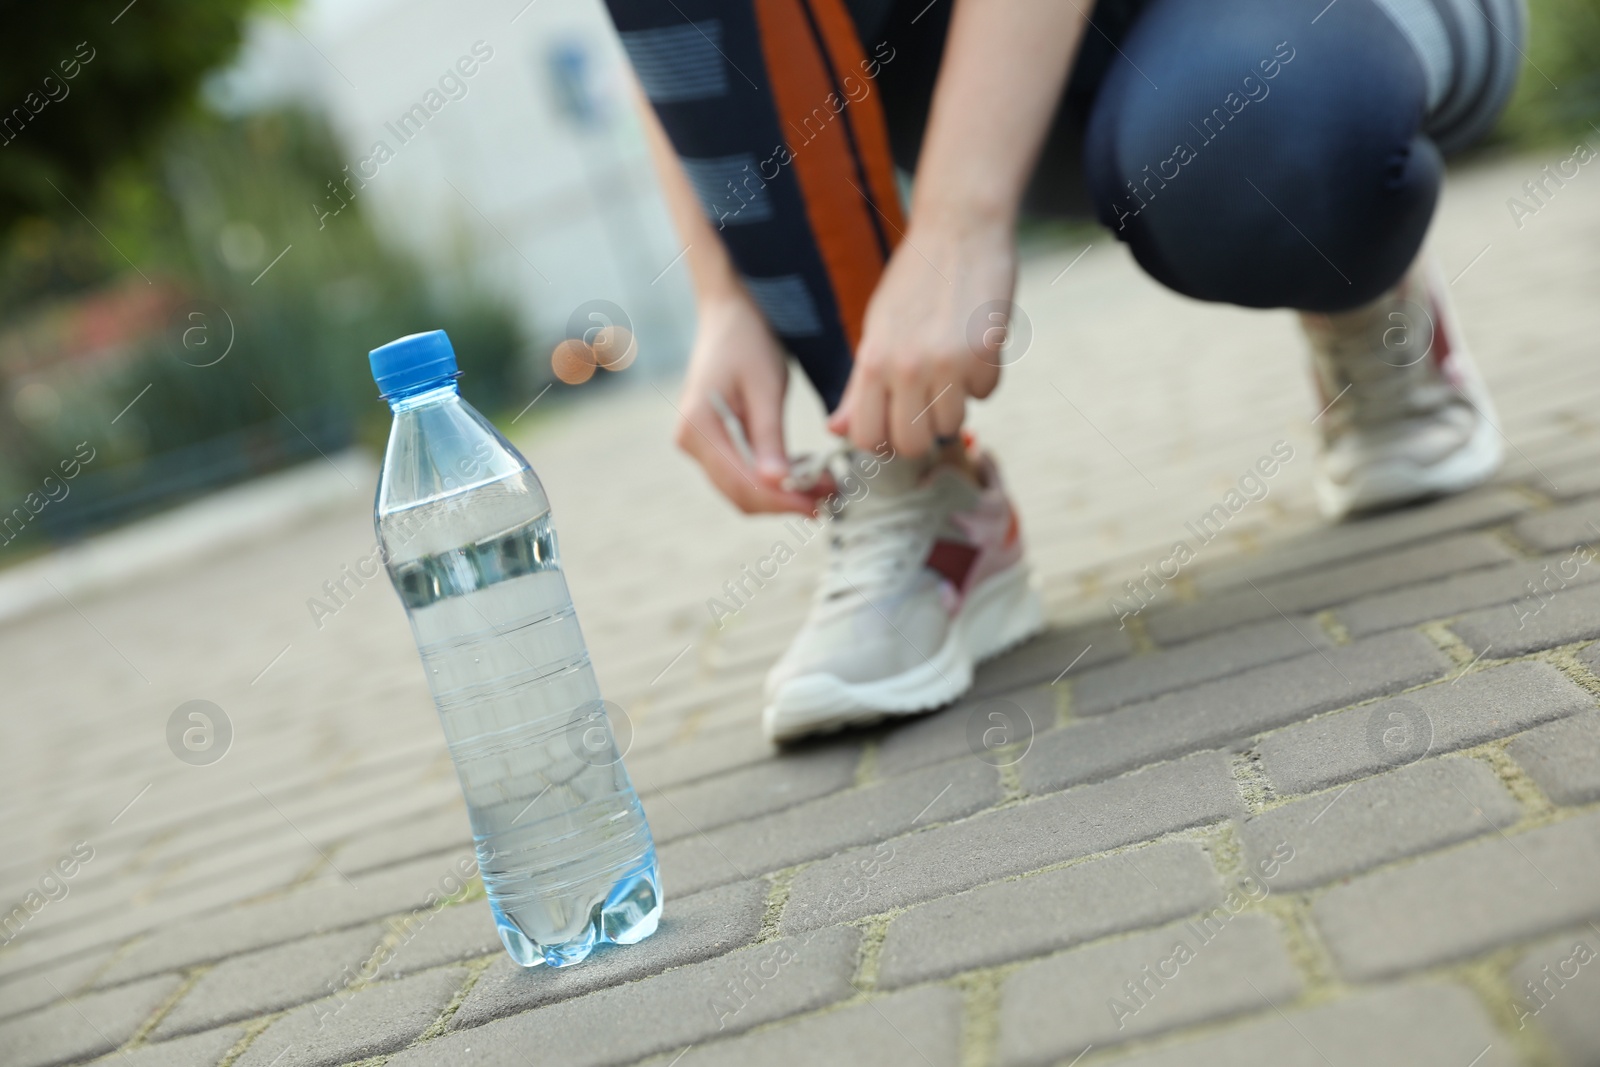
(879, 537)
(1354, 353)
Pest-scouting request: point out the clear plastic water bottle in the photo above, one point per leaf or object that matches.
(562, 842)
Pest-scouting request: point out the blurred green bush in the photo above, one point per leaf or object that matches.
(180, 263)
(83, 86)
(1558, 96)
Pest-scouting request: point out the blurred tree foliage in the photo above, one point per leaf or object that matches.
(216, 221)
(142, 235)
(1559, 93)
(85, 85)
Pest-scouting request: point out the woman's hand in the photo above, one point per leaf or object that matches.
(931, 338)
(737, 359)
(735, 362)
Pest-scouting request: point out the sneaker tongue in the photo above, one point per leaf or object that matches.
(1381, 353)
(886, 515)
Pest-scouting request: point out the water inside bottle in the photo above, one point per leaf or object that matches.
(564, 850)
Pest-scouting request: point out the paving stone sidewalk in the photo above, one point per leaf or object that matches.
(1333, 798)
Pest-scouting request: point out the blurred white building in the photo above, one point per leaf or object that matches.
(499, 134)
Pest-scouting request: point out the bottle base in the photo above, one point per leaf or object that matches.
(628, 915)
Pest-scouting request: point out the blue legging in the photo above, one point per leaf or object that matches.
(1262, 160)
(1267, 153)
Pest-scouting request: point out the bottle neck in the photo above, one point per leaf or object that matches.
(434, 392)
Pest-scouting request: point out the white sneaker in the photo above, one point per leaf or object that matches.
(925, 580)
(1407, 416)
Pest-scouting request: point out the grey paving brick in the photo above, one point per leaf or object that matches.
(1563, 757)
(1326, 586)
(737, 685)
(1440, 599)
(1571, 481)
(772, 785)
(1047, 655)
(1175, 624)
(446, 831)
(1467, 900)
(706, 722)
(821, 828)
(654, 731)
(692, 929)
(1556, 992)
(1103, 688)
(87, 1025)
(352, 809)
(47, 985)
(684, 1006)
(1045, 912)
(71, 940)
(948, 859)
(370, 1021)
(441, 935)
(702, 756)
(917, 1026)
(143, 919)
(255, 834)
(1513, 629)
(1142, 985)
(255, 983)
(1566, 526)
(197, 1050)
(280, 861)
(1415, 809)
(1423, 1025)
(1558, 444)
(229, 931)
(1475, 708)
(1374, 534)
(947, 734)
(1214, 713)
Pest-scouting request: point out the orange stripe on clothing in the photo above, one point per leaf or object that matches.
(813, 114)
(866, 114)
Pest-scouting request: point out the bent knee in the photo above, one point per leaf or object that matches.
(1311, 188)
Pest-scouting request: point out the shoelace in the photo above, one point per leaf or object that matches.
(876, 538)
(1382, 389)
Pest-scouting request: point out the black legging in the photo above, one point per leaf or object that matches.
(1267, 153)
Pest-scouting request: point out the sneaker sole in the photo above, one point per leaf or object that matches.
(1002, 612)
(1389, 485)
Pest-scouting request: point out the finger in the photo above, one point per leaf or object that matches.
(839, 420)
(762, 416)
(702, 435)
(740, 486)
(949, 410)
(909, 430)
(982, 377)
(868, 410)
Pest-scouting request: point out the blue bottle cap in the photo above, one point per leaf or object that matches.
(419, 359)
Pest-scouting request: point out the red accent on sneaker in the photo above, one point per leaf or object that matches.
(1441, 338)
(952, 560)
